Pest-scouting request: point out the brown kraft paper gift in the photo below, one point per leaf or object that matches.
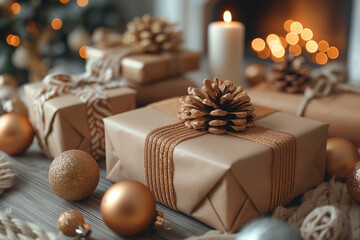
(340, 110)
(220, 180)
(66, 126)
(144, 68)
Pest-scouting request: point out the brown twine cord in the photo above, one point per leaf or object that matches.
(161, 142)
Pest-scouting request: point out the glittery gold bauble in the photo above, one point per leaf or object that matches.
(16, 133)
(255, 73)
(341, 156)
(128, 208)
(15, 105)
(8, 80)
(353, 182)
(69, 221)
(74, 175)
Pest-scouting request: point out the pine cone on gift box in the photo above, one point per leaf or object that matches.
(218, 107)
(290, 76)
(149, 34)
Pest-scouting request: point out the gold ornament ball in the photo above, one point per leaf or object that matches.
(69, 221)
(16, 133)
(128, 208)
(74, 175)
(353, 182)
(255, 73)
(341, 156)
(15, 105)
(8, 80)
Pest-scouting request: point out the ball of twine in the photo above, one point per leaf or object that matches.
(6, 174)
(325, 223)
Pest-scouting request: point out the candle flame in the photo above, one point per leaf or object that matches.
(227, 16)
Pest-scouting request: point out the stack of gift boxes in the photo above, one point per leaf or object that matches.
(222, 180)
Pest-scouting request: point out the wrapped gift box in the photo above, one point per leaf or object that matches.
(145, 67)
(221, 180)
(66, 125)
(153, 92)
(340, 110)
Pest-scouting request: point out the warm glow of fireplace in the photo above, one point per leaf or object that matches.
(296, 40)
(227, 16)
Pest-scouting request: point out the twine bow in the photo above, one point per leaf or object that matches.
(89, 87)
(327, 80)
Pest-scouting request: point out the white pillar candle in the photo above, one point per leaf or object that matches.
(226, 49)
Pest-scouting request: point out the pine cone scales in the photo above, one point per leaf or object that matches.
(218, 107)
(291, 75)
(149, 34)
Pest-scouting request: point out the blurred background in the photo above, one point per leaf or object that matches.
(37, 35)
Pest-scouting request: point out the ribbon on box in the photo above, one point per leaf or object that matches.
(89, 87)
(219, 108)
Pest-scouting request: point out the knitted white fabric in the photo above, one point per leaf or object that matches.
(6, 174)
(16, 229)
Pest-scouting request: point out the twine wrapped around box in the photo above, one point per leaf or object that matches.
(89, 88)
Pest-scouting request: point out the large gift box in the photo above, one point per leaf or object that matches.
(160, 90)
(341, 110)
(69, 122)
(221, 180)
(144, 68)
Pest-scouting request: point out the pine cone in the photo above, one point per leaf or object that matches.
(149, 34)
(218, 107)
(291, 75)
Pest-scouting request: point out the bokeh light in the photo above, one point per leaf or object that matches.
(311, 46)
(323, 46)
(15, 8)
(258, 44)
(56, 23)
(15, 41)
(283, 42)
(292, 38)
(333, 53)
(321, 58)
(296, 49)
(272, 39)
(296, 27)
(82, 3)
(287, 25)
(307, 34)
(83, 52)
(277, 51)
(30, 26)
(8, 38)
(264, 54)
(64, 1)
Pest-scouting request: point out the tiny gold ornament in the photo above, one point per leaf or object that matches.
(16, 133)
(353, 182)
(341, 156)
(74, 175)
(15, 105)
(8, 80)
(150, 34)
(71, 223)
(128, 208)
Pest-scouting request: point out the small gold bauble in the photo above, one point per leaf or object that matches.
(128, 208)
(353, 182)
(69, 221)
(8, 80)
(16, 133)
(341, 156)
(74, 175)
(15, 105)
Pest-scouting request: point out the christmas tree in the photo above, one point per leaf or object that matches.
(35, 34)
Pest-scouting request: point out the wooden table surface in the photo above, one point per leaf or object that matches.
(31, 199)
